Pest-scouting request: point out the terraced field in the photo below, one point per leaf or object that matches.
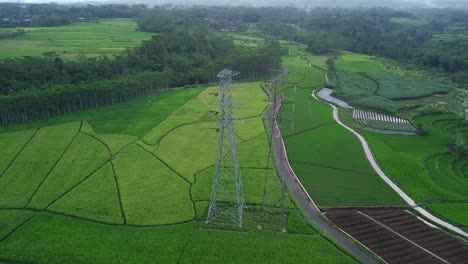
(427, 169)
(328, 160)
(132, 182)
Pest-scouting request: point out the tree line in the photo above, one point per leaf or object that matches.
(33, 88)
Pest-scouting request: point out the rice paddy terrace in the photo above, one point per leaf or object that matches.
(327, 159)
(430, 171)
(131, 183)
(427, 170)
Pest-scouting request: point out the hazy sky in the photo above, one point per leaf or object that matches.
(425, 3)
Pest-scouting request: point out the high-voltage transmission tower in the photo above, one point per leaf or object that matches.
(227, 196)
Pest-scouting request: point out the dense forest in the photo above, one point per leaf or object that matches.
(187, 49)
(371, 31)
(186, 53)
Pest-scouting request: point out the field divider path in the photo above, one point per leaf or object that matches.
(370, 157)
(19, 152)
(16, 228)
(307, 204)
(167, 165)
(118, 193)
(55, 165)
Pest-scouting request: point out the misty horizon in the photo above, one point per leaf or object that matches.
(297, 3)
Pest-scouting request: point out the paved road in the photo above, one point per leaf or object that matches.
(304, 199)
(326, 94)
(395, 187)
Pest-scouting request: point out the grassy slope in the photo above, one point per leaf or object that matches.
(143, 184)
(327, 158)
(426, 169)
(106, 37)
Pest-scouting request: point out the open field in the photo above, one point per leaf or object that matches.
(411, 22)
(105, 37)
(355, 62)
(328, 160)
(244, 40)
(132, 182)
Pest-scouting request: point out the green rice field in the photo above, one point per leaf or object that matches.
(355, 62)
(328, 160)
(131, 182)
(105, 37)
(380, 90)
(428, 171)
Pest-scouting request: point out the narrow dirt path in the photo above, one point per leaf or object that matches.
(393, 185)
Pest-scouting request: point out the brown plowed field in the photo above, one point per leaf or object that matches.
(399, 237)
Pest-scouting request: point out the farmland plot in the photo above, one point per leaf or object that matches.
(327, 158)
(136, 189)
(21, 180)
(383, 122)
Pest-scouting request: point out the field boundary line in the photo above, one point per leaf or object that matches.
(393, 185)
(165, 164)
(329, 167)
(16, 228)
(99, 141)
(81, 218)
(172, 113)
(309, 129)
(453, 180)
(170, 131)
(77, 184)
(9, 261)
(118, 192)
(156, 124)
(55, 165)
(19, 152)
(189, 240)
(405, 238)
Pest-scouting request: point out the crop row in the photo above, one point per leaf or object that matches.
(381, 121)
(381, 90)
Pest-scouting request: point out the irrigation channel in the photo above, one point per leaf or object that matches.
(391, 233)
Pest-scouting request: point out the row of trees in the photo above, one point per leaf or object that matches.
(34, 88)
(34, 104)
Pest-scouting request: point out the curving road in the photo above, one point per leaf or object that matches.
(303, 197)
(384, 177)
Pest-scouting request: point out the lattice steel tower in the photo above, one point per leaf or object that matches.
(227, 196)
